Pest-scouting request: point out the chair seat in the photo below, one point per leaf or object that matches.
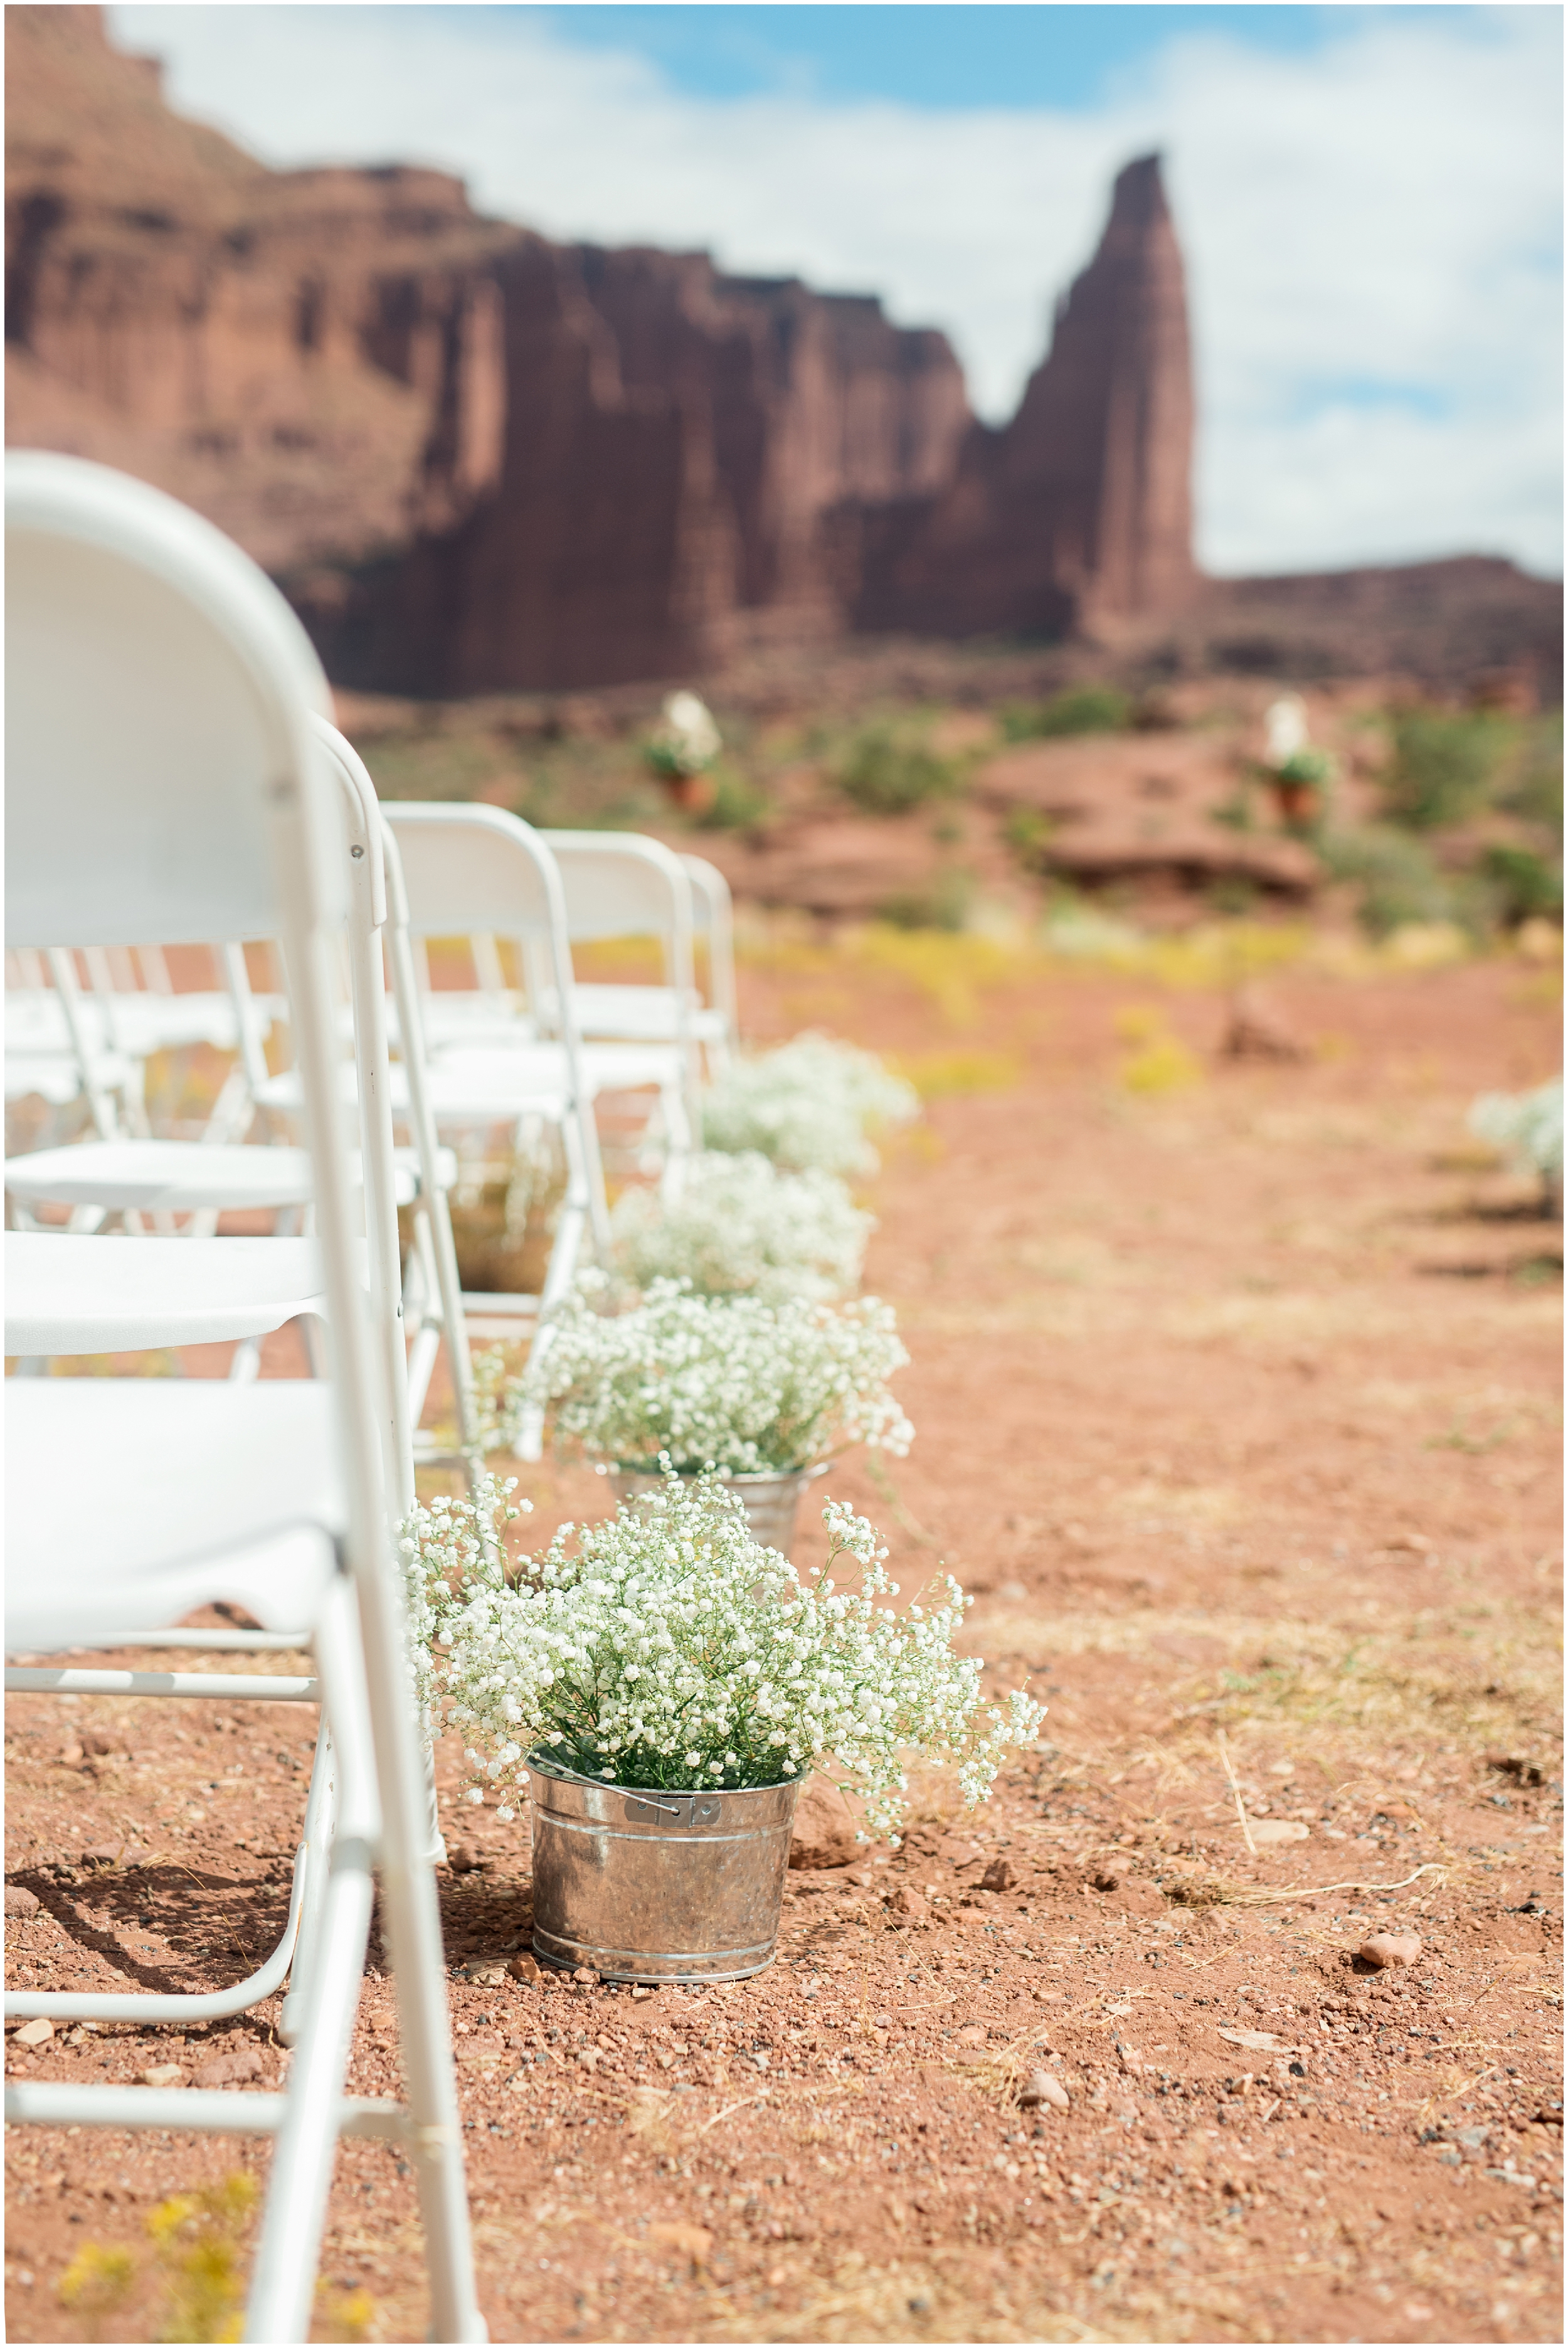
(130, 1501)
(606, 1067)
(70, 1294)
(474, 1088)
(57, 1077)
(644, 1014)
(183, 1177)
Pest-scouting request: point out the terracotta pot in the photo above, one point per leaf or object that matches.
(693, 794)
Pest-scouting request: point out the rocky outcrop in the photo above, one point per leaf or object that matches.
(480, 461)
(475, 458)
(1078, 511)
(674, 438)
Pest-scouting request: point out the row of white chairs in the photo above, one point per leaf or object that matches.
(173, 775)
(470, 871)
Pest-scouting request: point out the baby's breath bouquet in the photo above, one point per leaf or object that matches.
(1527, 1127)
(740, 1225)
(749, 1385)
(811, 1103)
(666, 1649)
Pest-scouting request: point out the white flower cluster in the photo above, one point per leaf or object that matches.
(440, 1546)
(1526, 1127)
(738, 1383)
(687, 740)
(666, 1649)
(742, 1226)
(809, 1103)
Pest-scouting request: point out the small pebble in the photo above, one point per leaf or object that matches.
(908, 1901)
(463, 1859)
(20, 1901)
(524, 1968)
(102, 1854)
(587, 1976)
(1384, 1949)
(1040, 2087)
(35, 2034)
(998, 1877)
(161, 2075)
(1107, 1880)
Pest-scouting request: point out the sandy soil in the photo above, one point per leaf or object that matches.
(1237, 1409)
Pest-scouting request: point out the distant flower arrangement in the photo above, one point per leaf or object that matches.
(1527, 1127)
(666, 1648)
(810, 1104)
(742, 1226)
(687, 741)
(747, 1384)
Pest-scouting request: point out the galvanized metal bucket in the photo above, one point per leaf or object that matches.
(772, 1502)
(647, 1886)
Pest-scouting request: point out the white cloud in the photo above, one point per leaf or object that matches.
(1370, 231)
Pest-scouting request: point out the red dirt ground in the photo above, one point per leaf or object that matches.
(1237, 1409)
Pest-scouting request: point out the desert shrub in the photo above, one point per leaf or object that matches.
(1398, 878)
(1027, 832)
(1535, 789)
(736, 804)
(1443, 766)
(887, 770)
(942, 904)
(1080, 709)
(1521, 885)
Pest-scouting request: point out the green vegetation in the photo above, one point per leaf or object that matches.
(1398, 877)
(1028, 834)
(943, 904)
(737, 804)
(1443, 766)
(1518, 885)
(1080, 709)
(890, 769)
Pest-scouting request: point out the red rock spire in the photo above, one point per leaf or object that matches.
(1099, 453)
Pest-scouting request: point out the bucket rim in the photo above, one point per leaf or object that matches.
(655, 1476)
(564, 1775)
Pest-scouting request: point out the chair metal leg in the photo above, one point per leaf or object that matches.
(142, 2006)
(282, 2281)
(321, 1810)
(414, 1935)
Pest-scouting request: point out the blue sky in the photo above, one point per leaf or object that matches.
(941, 57)
(1369, 200)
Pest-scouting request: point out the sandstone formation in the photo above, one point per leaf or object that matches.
(1079, 510)
(479, 461)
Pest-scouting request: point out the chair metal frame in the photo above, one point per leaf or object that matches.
(223, 823)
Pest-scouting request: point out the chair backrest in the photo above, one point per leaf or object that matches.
(159, 692)
(714, 918)
(470, 871)
(167, 781)
(619, 884)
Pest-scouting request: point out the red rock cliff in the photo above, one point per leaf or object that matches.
(1079, 510)
(479, 460)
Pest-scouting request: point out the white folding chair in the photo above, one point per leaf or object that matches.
(631, 1039)
(714, 922)
(161, 759)
(620, 884)
(132, 1175)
